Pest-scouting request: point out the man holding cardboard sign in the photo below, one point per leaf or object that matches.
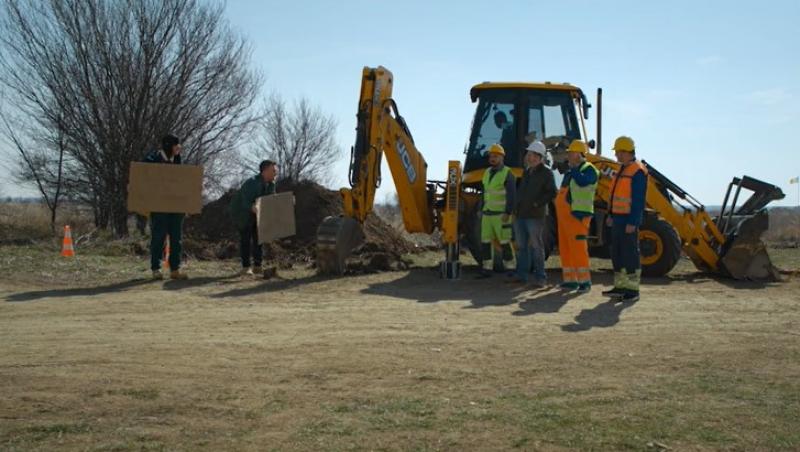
(163, 224)
(243, 210)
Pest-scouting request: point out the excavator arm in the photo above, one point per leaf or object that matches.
(380, 131)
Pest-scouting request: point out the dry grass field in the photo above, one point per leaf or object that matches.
(96, 357)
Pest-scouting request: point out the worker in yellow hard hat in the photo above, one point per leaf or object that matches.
(499, 187)
(574, 211)
(627, 201)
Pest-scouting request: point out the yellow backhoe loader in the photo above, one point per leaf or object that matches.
(514, 114)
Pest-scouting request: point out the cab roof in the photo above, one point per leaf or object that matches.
(523, 85)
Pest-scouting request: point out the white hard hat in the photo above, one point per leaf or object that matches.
(537, 147)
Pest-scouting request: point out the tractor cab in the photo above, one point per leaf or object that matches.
(516, 114)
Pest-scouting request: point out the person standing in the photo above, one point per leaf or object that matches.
(499, 187)
(574, 211)
(536, 190)
(243, 210)
(627, 201)
(163, 224)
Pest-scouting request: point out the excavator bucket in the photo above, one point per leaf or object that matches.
(746, 255)
(336, 239)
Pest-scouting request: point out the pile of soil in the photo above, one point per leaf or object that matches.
(212, 235)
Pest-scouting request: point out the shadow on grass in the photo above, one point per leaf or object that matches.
(604, 315)
(112, 288)
(546, 303)
(270, 286)
(78, 292)
(424, 285)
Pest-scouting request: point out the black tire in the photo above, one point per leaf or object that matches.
(659, 245)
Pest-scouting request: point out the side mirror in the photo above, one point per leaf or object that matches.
(591, 144)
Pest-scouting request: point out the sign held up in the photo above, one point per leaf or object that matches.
(161, 187)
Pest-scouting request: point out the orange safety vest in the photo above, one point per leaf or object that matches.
(621, 188)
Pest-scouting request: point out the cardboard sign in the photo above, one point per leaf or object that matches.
(162, 187)
(275, 214)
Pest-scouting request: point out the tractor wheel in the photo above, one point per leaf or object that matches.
(659, 245)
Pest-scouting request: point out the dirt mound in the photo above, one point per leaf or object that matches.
(212, 235)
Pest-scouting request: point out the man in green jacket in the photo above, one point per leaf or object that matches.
(243, 211)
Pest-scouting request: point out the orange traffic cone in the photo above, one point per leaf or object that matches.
(66, 247)
(165, 264)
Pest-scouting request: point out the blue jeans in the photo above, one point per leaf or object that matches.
(528, 236)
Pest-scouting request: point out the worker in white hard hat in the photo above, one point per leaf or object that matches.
(535, 191)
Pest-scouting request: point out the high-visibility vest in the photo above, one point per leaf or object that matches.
(621, 189)
(494, 190)
(583, 197)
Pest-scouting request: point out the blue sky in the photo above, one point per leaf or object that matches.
(708, 90)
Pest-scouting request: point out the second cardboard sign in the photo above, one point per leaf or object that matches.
(275, 215)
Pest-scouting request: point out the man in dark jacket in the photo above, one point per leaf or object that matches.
(163, 224)
(243, 210)
(537, 188)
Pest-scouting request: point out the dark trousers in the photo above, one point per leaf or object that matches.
(162, 225)
(624, 249)
(248, 245)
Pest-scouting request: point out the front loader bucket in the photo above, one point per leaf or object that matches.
(745, 255)
(336, 239)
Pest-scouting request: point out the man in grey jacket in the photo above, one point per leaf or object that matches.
(537, 188)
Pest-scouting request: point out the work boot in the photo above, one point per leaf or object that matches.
(157, 275)
(584, 288)
(616, 292)
(568, 285)
(538, 284)
(630, 296)
(178, 275)
(246, 271)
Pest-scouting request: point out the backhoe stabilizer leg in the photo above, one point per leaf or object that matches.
(450, 267)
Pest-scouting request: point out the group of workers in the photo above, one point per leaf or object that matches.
(522, 206)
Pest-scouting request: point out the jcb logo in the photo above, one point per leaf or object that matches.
(608, 172)
(406, 159)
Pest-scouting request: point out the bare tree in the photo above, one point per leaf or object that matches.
(113, 77)
(39, 166)
(301, 139)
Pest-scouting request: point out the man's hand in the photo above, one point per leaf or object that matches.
(505, 217)
(630, 229)
(609, 221)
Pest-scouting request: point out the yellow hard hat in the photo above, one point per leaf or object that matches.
(577, 146)
(497, 149)
(624, 143)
